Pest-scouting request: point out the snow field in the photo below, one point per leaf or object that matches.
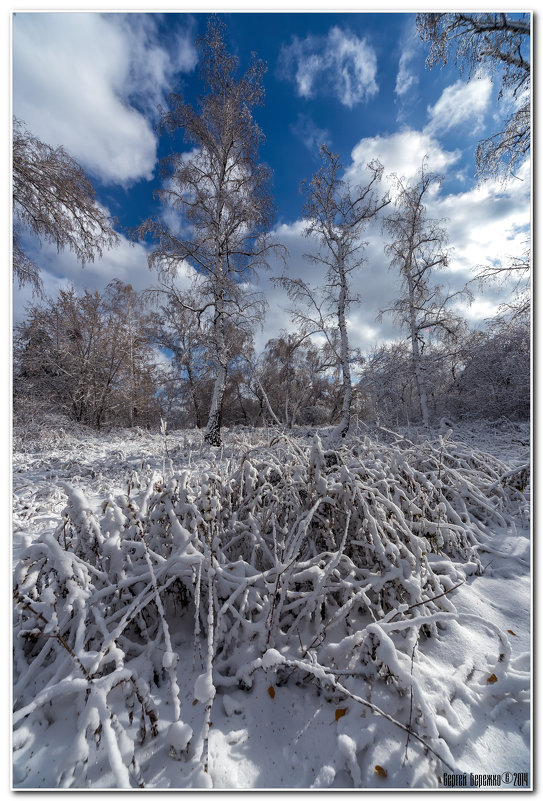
(282, 612)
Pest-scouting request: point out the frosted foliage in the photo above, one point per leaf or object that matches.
(290, 562)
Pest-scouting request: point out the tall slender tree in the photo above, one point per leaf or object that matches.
(416, 249)
(222, 193)
(336, 215)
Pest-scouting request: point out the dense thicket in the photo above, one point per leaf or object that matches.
(486, 376)
(105, 360)
(89, 356)
(288, 559)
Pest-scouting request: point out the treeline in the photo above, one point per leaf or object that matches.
(111, 359)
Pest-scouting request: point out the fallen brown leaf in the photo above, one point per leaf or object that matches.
(492, 679)
(340, 713)
(271, 692)
(380, 771)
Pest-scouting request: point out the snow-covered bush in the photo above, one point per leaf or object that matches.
(292, 558)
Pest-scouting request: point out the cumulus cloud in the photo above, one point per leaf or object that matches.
(401, 154)
(85, 81)
(339, 64)
(460, 104)
(127, 262)
(486, 223)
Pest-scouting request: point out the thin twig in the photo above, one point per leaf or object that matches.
(410, 704)
(427, 601)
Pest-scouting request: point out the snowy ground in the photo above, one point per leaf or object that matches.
(286, 728)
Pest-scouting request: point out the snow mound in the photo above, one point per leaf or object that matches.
(169, 660)
(179, 735)
(204, 690)
(272, 658)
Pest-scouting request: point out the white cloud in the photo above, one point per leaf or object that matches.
(480, 309)
(461, 103)
(339, 64)
(127, 262)
(410, 65)
(488, 222)
(400, 154)
(73, 85)
(405, 79)
(373, 282)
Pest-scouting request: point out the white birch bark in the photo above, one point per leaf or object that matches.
(343, 425)
(212, 433)
(415, 355)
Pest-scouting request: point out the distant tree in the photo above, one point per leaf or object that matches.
(387, 380)
(222, 192)
(501, 43)
(239, 403)
(191, 376)
(416, 249)
(126, 313)
(89, 357)
(55, 200)
(493, 379)
(291, 382)
(178, 331)
(335, 214)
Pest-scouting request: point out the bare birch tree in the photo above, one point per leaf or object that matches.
(336, 215)
(418, 247)
(501, 43)
(221, 191)
(55, 200)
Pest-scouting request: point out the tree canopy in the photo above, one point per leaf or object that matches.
(54, 199)
(500, 43)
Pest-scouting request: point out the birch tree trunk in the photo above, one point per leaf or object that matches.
(212, 433)
(336, 214)
(343, 425)
(415, 353)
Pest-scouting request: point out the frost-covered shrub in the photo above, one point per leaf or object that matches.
(290, 558)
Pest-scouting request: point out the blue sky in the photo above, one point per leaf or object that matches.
(356, 81)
